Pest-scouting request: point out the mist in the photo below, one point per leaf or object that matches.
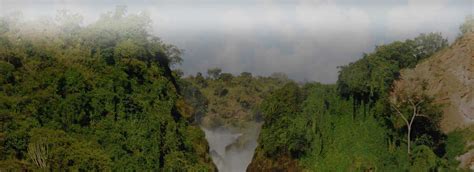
(305, 39)
(232, 149)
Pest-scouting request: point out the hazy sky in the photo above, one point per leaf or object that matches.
(307, 39)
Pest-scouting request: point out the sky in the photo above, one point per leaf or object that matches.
(306, 39)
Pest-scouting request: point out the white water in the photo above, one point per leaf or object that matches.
(232, 151)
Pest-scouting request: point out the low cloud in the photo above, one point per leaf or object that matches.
(421, 15)
(307, 39)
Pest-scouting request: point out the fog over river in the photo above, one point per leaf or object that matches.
(232, 149)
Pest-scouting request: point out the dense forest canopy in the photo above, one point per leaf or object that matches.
(105, 97)
(228, 100)
(98, 97)
(367, 121)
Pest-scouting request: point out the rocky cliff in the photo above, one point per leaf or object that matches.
(449, 75)
(450, 80)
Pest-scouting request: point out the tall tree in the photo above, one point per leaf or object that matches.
(468, 25)
(214, 73)
(409, 101)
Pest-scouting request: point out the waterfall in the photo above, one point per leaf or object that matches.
(232, 149)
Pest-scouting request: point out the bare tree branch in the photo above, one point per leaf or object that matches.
(400, 113)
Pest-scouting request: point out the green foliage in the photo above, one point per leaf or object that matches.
(214, 73)
(103, 98)
(428, 44)
(417, 117)
(226, 77)
(348, 126)
(283, 131)
(315, 125)
(55, 149)
(370, 78)
(349, 146)
(200, 80)
(342, 143)
(283, 102)
(220, 92)
(423, 159)
(323, 134)
(368, 82)
(455, 146)
(231, 101)
(95, 98)
(194, 97)
(246, 74)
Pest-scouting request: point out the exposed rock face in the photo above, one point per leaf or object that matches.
(467, 159)
(450, 79)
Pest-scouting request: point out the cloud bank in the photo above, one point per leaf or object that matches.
(305, 39)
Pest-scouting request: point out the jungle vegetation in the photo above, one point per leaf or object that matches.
(100, 97)
(106, 97)
(366, 121)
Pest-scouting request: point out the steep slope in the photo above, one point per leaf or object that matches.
(231, 100)
(95, 98)
(225, 107)
(449, 76)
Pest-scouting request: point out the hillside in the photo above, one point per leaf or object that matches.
(354, 125)
(108, 96)
(231, 101)
(226, 107)
(450, 80)
(96, 98)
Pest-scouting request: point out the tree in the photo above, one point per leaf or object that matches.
(200, 80)
(221, 91)
(246, 74)
(284, 130)
(423, 159)
(369, 79)
(409, 101)
(226, 77)
(178, 73)
(468, 25)
(428, 44)
(214, 73)
(282, 77)
(100, 97)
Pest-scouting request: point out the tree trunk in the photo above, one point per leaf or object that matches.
(409, 140)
